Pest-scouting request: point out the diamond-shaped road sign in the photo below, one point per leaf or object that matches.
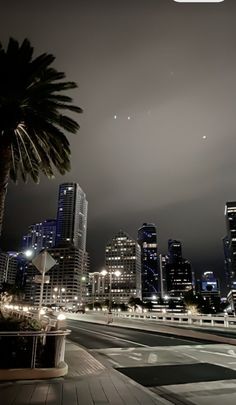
(44, 262)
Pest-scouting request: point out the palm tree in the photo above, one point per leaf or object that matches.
(32, 123)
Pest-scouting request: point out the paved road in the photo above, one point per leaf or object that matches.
(182, 370)
(212, 330)
(96, 336)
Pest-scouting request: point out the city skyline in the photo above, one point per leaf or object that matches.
(157, 85)
(28, 241)
(72, 203)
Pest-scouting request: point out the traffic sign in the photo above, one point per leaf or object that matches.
(44, 262)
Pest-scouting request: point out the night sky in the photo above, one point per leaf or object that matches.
(171, 68)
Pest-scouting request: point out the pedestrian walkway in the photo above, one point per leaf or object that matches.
(80, 362)
(88, 383)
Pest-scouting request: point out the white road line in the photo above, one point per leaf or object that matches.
(114, 362)
(216, 353)
(109, 336)
(135, 358)
(187, 355)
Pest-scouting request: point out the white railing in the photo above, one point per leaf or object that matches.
(201, 320)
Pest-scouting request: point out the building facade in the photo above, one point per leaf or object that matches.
(162, 269)
(66, 286)
(123, 254)
(147, 240)
(66, 281)
(230, 243)
(209, 288)
(8, 267)
(71, 216)
(179, 278)
(40, 236)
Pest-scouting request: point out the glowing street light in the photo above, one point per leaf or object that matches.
(27, 253)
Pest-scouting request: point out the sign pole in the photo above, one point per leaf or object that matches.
(42, 283)
(43, 262)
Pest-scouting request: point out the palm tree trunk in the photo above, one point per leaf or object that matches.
(5, 162)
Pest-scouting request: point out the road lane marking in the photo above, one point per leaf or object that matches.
(187, 355)
(135, 358)
(110, 336)
(115, 363)
(216, 353)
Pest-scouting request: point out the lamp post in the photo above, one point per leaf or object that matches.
(117, 273)
(27, 254)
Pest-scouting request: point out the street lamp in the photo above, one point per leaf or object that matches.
(27, 253)
(117, 273)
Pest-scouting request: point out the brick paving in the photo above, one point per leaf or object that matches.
(87, 383)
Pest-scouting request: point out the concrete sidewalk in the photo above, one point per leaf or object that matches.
(88, 383)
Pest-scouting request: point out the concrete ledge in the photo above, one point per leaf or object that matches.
(33, 373)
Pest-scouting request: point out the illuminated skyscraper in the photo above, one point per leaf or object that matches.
(71, 216)
(123, 254)
(67, 283)
(174, 251)
(147, 239)
(230, 243)
(40, 236)
(179, 277)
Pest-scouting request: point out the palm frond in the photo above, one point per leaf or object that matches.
(31, 106)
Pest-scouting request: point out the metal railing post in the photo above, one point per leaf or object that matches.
(34, 351)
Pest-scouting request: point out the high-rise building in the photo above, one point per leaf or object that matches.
(67, 279)
(209, 288)
(162, 283)
(147, 240)
(179, 278)
(230, 242)
(40, 236)
(8, 267)
(10, 263)
(123, 254)
(227, 260)
(174, 251)
(97, 289)
(71, 216)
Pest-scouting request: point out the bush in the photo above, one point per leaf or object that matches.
(16, 352)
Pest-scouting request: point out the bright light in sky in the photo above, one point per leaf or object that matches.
(115, 116)
(128, 117)
(204, 137)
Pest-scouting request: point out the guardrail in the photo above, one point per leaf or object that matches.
(201, 320)
(32, 349)
(45, 320)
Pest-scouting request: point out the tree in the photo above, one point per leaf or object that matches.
(134, 302)
(32, 123)
(191, 302)
(148, 305)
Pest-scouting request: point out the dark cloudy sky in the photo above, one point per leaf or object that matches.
(172, 69)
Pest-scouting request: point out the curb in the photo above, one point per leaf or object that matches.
(33, 373)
